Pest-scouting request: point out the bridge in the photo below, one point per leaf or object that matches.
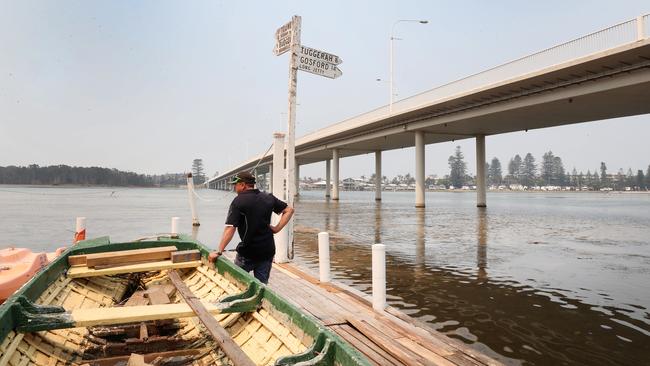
(603, 75)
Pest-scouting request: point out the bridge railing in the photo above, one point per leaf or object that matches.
(608, 38)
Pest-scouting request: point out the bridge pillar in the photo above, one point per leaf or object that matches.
(335, 174)
(270, 179)
(377, 175)
(419, 169)
(328, 177)
(480, 171)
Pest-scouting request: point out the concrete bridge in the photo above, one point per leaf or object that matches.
(605, 74)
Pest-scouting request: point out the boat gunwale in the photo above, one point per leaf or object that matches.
(345, 354)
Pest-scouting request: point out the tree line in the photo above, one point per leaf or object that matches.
(64, 174)
(550, 172)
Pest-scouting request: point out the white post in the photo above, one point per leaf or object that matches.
(640, 28)
(281, 238)
(480, 172)
(419, 169)
(377, 175)
(190, 192)
(297, 180)
(174, 230)
(335, 174)
(324, 256)
(80, 229)
(291, 128)
(378, 277)
(328, 177)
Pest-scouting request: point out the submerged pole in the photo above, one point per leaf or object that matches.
(324, 256)
(190, 192)
(378, 277)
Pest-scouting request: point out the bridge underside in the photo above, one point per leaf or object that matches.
(609, 84)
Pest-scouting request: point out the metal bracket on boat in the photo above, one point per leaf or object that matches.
(31, 317)
(322, 352)
(243, 302)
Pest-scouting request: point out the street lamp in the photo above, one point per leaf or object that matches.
(392, 38)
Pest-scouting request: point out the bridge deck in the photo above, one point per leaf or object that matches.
(391, 338)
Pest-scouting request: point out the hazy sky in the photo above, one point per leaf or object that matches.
(148, 86)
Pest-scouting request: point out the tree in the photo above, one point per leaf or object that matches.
(559, 176)
(197, 171)
(640, 180)
(528, 170)
(603, 174)
(494, 172)
(548, 167)
(514, 167)
(458, 168)
(647, 178)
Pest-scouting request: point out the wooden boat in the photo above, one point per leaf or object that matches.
(144, 309)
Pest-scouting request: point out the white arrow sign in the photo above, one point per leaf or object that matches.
(318, 54)
(318, 66)
(283, 39)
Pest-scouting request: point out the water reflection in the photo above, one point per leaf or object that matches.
(437, 271)
(482, 239)
(420, 248)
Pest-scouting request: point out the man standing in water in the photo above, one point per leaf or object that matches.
(250, 213)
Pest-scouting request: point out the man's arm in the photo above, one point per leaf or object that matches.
(226, 237)
(284, 219)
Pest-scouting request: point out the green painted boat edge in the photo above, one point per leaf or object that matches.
(343, 353)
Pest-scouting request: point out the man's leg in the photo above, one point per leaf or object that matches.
(262, 270)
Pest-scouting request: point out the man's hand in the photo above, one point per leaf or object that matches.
(212, 257)
(274, 229)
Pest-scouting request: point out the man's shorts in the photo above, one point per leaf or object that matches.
(261, 269)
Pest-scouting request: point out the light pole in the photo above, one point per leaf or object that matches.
(392, 38)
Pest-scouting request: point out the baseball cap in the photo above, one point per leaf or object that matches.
(244, 176)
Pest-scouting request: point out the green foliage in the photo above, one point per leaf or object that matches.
(64, 174)
(458, 168)
(494, 172)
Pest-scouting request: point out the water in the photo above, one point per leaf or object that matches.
(536, 278)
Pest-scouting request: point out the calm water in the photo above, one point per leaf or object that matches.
(554, 278)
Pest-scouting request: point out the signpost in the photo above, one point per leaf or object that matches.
(319, 62)
(287, 38)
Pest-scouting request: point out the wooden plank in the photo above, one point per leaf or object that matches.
(186, 256)
(149, 357)
(128, 256)
(375, 354)
(137, 360)
(78, 272)
(77, 260)
(405, 356)
(230, 348)
(118, 315)
(157, 296)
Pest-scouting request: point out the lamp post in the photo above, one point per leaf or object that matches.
(392, 38)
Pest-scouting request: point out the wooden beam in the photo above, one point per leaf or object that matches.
(149, 357)
(186, 256)
(134, 314)
(225, 341)
(78, 272)
(129, 256)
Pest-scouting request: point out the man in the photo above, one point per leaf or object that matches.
(250, 212)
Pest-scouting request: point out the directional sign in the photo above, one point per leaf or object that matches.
(316, 65)
(283, 38)
(318, 54)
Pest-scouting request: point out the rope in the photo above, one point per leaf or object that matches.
(259, 161)
(207, 200)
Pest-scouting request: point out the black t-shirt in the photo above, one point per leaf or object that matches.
(250, 212)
